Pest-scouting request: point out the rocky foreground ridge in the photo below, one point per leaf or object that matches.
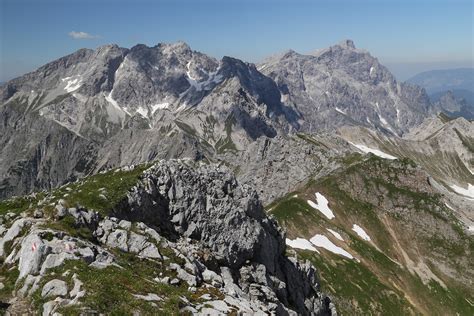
(183, 239)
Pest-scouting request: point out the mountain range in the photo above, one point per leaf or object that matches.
(451, 89)
(119, 106)
(309, 184)
(443, 80)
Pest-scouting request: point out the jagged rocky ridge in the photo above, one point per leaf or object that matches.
(455, 106)
(344, 85)
(112, 106)
(217, 227)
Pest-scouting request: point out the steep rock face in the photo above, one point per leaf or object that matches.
(38, 154)
(343, 85)
(455, 106)
(111, 96)
(449, 103)
(160, 75)
(276, 166)
(87, 71)
(208, 205)
(248, 102)
(70, 91)
(96, 93)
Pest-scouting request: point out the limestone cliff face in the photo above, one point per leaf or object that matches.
(209, 205)
(344, 85)
(163, 101)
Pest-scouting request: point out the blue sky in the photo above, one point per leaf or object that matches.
(408, 36)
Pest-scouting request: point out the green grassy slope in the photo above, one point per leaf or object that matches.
(410, 230)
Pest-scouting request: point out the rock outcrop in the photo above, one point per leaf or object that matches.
(209, 206)
(206, 231)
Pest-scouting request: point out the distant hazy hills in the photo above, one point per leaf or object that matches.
(452, 90)
(435, 81)
(467, 95)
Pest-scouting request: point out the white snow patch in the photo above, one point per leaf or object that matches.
(469, 192)
(468, 168)
(114, 111)
(470, 228)
(73, 85)
(383, 120)
(192, 81)
(341, 111)
(335, 233)
(322, 205)
(80, 97)
(450, 207)
(111, 100)
(361, 232)
(160, 106)
(323, 242)
(385, 123)
(212, 78)
(143, 112)
(32, 97)
(115, 115)
(372, 71)
(312, 204)
(300, 243)
(181, 108)
(376, 152)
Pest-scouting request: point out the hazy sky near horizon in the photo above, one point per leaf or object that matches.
(407, 35)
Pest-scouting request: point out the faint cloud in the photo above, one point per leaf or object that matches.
(82, 35)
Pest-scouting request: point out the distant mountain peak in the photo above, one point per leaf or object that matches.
(108, 47)
(178, 46)
(343, 85)
(289, 53)
(347, 43)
